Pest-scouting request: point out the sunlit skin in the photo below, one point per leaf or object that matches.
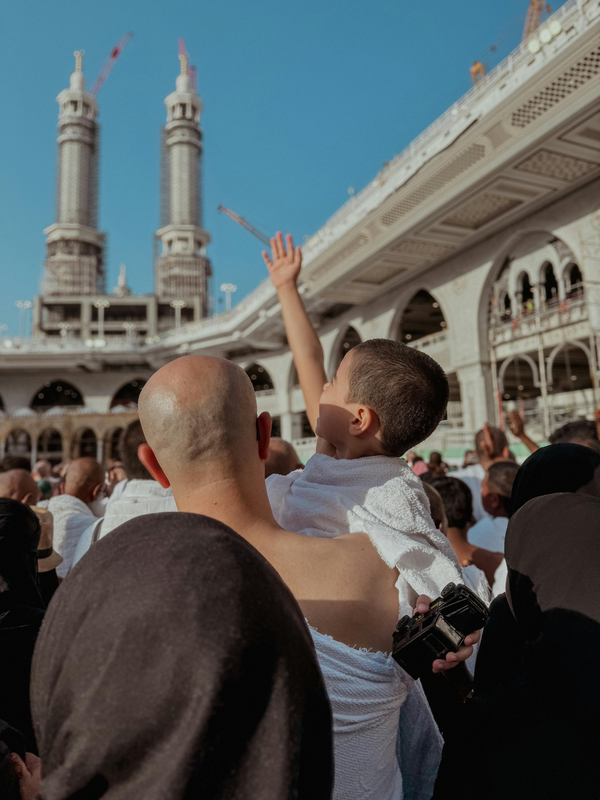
(491, 500)
(342, 585)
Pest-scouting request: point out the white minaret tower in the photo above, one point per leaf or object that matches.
(182, 269)
(74, 261)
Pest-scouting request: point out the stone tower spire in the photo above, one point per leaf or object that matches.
(74, 258)
(181, 268)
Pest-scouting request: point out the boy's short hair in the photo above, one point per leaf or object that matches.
(131, 438)
(406, 388)
(580, 431)
(500, 479)
(458, 501)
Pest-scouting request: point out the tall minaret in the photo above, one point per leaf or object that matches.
(74, 260)
(182, 269)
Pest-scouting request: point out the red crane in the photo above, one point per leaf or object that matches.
(245, 224)
(109, 63)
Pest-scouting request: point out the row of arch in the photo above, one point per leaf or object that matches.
(548, 291)
(568, 368)
(50, 445)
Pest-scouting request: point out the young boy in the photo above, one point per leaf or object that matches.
(384, 399)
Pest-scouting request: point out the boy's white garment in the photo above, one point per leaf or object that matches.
(489, 534)
(379, 496)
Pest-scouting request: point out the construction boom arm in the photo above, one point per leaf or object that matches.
(534, 17)
(245, 224)
(109, 63)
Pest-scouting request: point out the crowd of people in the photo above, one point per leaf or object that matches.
(214, 619)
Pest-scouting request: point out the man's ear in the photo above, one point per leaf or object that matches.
(149, 460)
(263, 430)
(96, 490)
(365, 421)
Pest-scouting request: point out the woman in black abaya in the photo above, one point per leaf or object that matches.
(534, 734)
(174, 663)
(21, 612)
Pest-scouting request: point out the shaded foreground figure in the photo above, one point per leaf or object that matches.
(176, 664)
(531, 732)
(21, 612)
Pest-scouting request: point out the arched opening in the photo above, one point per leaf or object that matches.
(18, 443)
(276, 426)
(261, 380)
(550, 283)
(507, 306)
(111, 444)
(85, 444)
(49, 446)
(570, 370)
(422, 317)
(1, 404)
(525, 293)
(349, 340)
(518, 380)
(56, 393)
(128, 395)
(573, 282)
(301, 428)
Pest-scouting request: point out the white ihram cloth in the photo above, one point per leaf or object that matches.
(379, 496)
(366, 691)
(138, 497)
(72, 517)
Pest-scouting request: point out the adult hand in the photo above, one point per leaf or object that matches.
(515, 423)
(452, 659)
(285, 264)
(29, 773)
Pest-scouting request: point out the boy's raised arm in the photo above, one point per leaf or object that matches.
(284, 267)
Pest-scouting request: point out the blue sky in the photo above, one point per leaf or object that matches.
(301, 101)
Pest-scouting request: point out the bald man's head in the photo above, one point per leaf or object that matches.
(84, 479)
(198, 410)
(282, 459)
(17, 484)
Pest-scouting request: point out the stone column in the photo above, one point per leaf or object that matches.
(99, 449)
(476, 393)
(33, 450)
(287, 426)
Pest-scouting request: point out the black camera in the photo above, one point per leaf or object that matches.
(419, 640)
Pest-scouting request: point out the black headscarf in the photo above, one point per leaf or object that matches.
(21, 612)
(534, 735)
(557, 468)
(174, 663)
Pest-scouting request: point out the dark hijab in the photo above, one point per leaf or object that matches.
(557, 468)
(535, 734)
(174, 663)
(21, 612)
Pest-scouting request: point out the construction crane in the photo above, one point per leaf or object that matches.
(109, 63)
(534, 17)
(245, 224)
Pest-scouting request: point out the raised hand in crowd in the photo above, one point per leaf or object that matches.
(517, 428)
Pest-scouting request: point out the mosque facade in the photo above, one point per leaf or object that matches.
(479, 244)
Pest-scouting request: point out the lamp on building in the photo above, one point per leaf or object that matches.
(23, 306)
(178, 305)
(129, 331)
(229, 289)
(101, 305)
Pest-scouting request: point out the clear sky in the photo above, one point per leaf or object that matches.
(301, 101)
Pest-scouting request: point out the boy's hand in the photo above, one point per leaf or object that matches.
(284, 265)
(452, 659)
